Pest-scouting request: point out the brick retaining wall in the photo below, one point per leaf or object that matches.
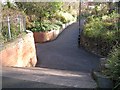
(20, 53)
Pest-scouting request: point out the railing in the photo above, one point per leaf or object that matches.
(11, 27)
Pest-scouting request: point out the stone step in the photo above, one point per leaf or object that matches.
(51, 76)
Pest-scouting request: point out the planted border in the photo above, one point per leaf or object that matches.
(41, 37)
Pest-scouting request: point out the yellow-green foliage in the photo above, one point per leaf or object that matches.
(114, 63)
(64, 16)
(104, 27)
(104, 30)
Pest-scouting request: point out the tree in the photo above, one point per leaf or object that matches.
(42, 10)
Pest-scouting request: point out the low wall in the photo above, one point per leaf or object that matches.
(19, 53)
(41, 37)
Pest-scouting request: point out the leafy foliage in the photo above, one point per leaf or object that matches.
(15, 32)
(114, 66)
(41, 9)
(114, 63)
(44, 11)
(45, 26)
(64, 16)
(14, 24)
(103, 29)
(9, 5)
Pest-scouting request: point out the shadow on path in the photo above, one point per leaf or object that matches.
(64, 54)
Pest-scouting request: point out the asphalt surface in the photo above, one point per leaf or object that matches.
(64, 53)
(24, 77)
(8, 82)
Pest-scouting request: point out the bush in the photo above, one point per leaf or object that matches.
(44, 26)
(41, 9)
(14, 24)
(114, 63)
(64, 17)
(103, 30)
(59, 23)
(15, 32)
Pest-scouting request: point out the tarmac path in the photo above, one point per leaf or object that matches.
(64, 53)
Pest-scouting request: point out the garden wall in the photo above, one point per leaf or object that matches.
(20, 53)
(41, 37)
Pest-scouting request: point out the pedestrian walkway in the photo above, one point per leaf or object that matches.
(64, 53)
(45, 78)
(61, 64)
(9, 82)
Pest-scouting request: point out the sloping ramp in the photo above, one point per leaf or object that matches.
(51, 76)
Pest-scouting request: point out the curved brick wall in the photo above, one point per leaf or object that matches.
(41, 37)
(20, 53)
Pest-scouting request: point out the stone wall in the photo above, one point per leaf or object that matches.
(19, 53)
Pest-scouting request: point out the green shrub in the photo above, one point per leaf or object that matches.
(105, 27)
(4, 33)
(94, 28)
(44, 26)
(1, 38)
(13, 13)
(40, 9)
(14, 30)
(64, 16)
(114, 63)
(59, 23)
(104, 31)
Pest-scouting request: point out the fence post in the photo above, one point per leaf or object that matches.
(9, 32)
(24, 23)
(19, 22)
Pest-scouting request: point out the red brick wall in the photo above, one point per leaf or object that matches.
(20, 53)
